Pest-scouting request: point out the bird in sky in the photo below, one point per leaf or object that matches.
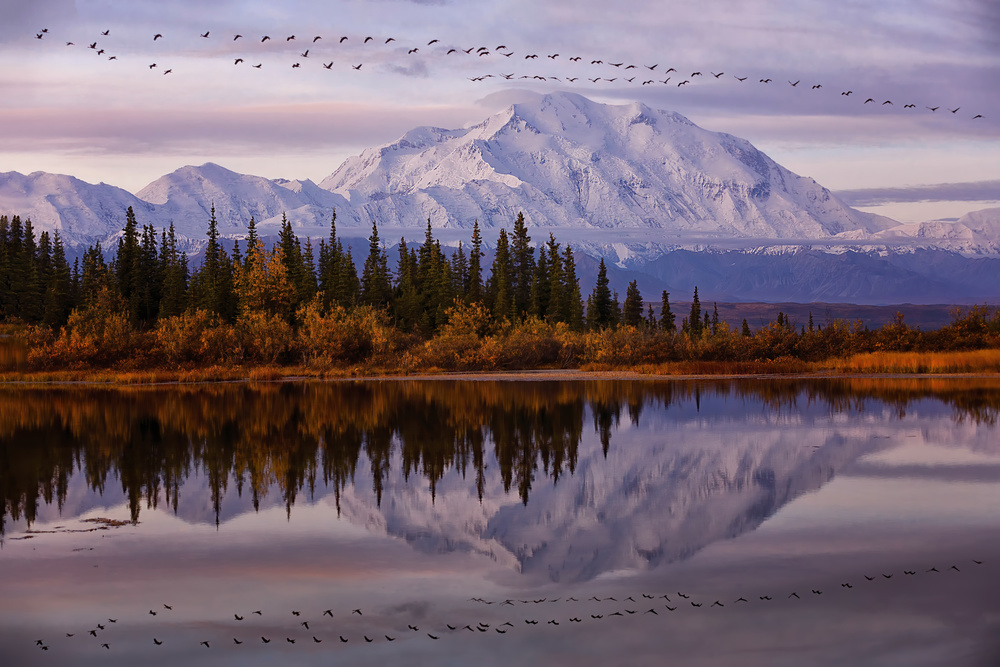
(106, 33)
(367, 39)
(794, 84)
(157, 36)
(206, 37)
(317, 38)
(328, 65)
(237, 37)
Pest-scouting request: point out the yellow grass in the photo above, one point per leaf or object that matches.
(973, 361)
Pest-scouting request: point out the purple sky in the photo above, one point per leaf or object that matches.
(67, 109)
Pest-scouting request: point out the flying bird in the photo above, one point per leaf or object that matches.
(157, 641)
(886, 102)
(933, 109)
(817, 86)
(978, 115)
(305, 54)
(870, 99)
(206, 37)
(328, 66)
(289, 38)
(237, 37)
(317, 640)
(954, 111)
(105, 33)
(265, 639)
(168, 71)
(236, 641)
(205, 644)
(343, 39)
(157, 36)
(717, 75)
(264, 38)
(794, 84)
(682, 83)
(847, 93)
(367, 39)
(391, 39)
(93, 46)
(740, 78)
(414, 50)
(765, 81)
(316, 39)
(296, 65)
(357, 67)
(238, 61)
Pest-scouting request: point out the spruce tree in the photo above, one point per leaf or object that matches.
(572, 302)
(58, 293)
(474, 288)
(173, 267)
(523, 264)
(375, 287)
(666, 315)
(601, 310)
(632, 311)
(746, 329)
(694, 319)
(499, 287)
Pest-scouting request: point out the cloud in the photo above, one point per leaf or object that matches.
(977, 191)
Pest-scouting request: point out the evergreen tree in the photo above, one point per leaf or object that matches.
(694, 319)
(173, 268)
(406, 298)
(58, 293)
(600, 309)
(746, 329)
(541, 288)
(523, 265)
(375, 286)
(572, 304)
(499, 287)
(460, 273)
(632, 311)
(715, 318)
(474, 287)
(251, 240)
(211, 285)
(666, 315)
(126, 264)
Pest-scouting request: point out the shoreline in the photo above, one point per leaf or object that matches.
(149, 379)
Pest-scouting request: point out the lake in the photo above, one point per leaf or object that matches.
(750, 522)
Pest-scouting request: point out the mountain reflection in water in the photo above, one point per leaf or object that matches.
(705, 470)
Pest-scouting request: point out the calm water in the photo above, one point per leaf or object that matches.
(562, 523)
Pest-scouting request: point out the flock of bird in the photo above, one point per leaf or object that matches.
(624, 73)
(659, 604)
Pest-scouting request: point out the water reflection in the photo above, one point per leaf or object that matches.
(503, 439)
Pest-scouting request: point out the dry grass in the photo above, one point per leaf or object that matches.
(973, 361)
(782, 366)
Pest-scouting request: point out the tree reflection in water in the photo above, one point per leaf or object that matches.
(296, 436)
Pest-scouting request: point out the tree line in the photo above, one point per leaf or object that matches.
(296, 302)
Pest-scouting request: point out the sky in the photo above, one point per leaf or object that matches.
(71, 109)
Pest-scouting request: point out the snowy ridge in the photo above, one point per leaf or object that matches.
(568, 162)
(624, 181)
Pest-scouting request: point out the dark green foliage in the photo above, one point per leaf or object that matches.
(632, 310)
(375, 288)
(666, 315)
(211, 286)
(499, 287)
(600, 308)
(571, 308)
(694, 319)
(523, 267)
(474, 286)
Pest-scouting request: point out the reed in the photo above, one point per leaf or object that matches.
(969, 361)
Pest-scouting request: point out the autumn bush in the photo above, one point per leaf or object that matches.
(339, 336)
(98, 335)
(195, 337)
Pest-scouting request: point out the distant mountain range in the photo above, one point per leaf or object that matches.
(630, 183)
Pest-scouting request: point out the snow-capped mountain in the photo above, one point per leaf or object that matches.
(187, 195)
(82, 213)
(626, 182)
(567, 162)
